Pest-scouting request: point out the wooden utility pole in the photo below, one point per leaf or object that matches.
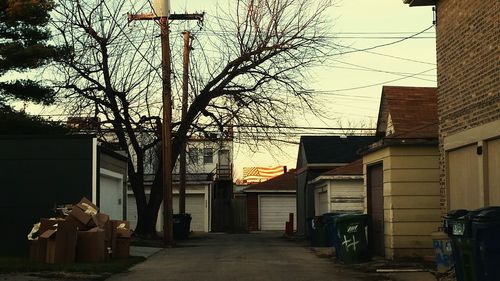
(182, 156)
(164, 16)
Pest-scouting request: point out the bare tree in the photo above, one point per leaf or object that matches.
(255, 78)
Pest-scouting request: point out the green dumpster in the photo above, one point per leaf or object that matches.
(351, 243)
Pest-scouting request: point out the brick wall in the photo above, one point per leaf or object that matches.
(468, 59)
(253, 211)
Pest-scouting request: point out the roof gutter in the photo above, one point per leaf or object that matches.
(269, 191)
(335, 177)
(413, 3)
(386, 142)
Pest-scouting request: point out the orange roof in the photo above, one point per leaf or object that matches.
(284, 182)
(412, 111)
(354, 168)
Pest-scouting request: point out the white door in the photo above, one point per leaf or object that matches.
(274, 211)
(195, 206)
(111, 194)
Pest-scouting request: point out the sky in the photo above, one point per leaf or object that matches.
(352, 83)
(349, 86)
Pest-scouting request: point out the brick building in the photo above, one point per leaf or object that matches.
(468, 66)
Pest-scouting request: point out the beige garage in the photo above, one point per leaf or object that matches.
(274, 211)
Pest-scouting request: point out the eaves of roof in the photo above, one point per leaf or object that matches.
(387, 142)
(335, 177)
(420, 2)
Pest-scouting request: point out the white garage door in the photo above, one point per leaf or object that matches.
(274, 211)
(111, 194)
(195, 205)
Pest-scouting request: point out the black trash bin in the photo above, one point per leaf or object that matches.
(318, 233)
(457, 225)
(182, 226)
(486, 234)
(352, 243)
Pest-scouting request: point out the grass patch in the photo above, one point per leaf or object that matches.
(16, 264)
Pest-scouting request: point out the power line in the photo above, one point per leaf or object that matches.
(385, 44)
(371, 85)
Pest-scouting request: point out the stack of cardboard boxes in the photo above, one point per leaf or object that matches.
(80, 234)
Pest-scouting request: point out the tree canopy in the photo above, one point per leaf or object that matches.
(249, 70)
(24, 46)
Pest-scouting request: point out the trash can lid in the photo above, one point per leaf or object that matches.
(456, 214)
(351, 217)
(487, 214)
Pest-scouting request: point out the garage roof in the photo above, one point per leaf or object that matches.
(408, 112)
(286, 182)
(331, 149)
(354, 168)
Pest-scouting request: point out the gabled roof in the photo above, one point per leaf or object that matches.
(331, 149)
(351, 169)
(411, 112)
(286, 182)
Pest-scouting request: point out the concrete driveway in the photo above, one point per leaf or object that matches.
(256, 256)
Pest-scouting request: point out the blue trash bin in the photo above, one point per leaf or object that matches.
(443, 251)
(486, 233)
(331, 231)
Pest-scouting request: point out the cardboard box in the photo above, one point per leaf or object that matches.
(87, 206)
(120, 230)
(79, 225)
(38, 250)
(83, 211)
(81, 216)
(91, 246)
(122, 248)
(102, 221)
(48, 223)
(60, 243)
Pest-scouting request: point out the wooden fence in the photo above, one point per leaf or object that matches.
(229, 215)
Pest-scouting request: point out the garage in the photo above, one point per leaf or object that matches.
(270, 203)
(111, 196)
(275, 210)
(196, 205)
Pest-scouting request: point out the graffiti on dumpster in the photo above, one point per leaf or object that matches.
(352, 228)
(350, 243)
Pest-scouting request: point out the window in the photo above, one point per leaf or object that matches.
(208, 155)
(194, 154)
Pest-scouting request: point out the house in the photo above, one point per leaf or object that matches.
(402, 174)
(468, 101)
(269, 203)
(340, 190)
(208, 176)
(319, 154)
(41, 172)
